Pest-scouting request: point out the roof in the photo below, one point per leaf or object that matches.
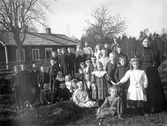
(38, 39)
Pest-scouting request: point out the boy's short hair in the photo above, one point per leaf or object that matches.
(74, 81)
(122, 58)
(87, 61)
(82, 63)
(112, 88)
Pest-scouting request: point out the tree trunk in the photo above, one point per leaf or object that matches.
(19, 46)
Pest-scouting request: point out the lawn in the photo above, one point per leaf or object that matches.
(67, 114)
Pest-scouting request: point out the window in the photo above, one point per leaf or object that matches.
(48, 53)
(18, 57)
(35, 54)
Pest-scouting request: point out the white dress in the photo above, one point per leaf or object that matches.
(138, 81)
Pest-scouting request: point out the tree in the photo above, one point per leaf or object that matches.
(105, 26)
(17, 15)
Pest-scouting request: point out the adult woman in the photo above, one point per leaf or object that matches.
(150, 58)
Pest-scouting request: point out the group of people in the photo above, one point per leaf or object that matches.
(104, 77)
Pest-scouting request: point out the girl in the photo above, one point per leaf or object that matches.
(80, 96)
(97, 52)
(99, 84)
(111, 106)
(68, 82)
(138, 84)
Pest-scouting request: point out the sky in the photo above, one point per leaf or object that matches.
(68, 16)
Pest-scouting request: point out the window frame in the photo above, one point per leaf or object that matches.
(38, 54)
(47, 49)
(17, 57)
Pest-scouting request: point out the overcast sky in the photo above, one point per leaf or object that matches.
(70, 15)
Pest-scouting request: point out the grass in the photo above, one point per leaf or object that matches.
(67, 114)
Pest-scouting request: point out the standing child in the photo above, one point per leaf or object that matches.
(119, 73)
(16, 85)
(138, 84)
(93, 64)
(111, 106)
(60, 78)
(63, 61)
(89, 68)
(88, 85)
(104, 59)
(111, 68)
(99, 84)
(43, 77)
(80, 76)
(52, 71)
(83, 67)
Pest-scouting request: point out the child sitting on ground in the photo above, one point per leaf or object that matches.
(46, 95)
(74, 85)
(64, 93)
(111, 106)
(80, 97)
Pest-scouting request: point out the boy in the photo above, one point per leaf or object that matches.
(63, 61)
(46, 95)
(88, 85)
(43, 77)
(16, 85)
(52, 71)
(89, 67)
(34, 87)
(80, 75)
(118, 75)
(71, 61)
(63, 92)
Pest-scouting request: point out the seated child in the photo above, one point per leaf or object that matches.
(46, 95)
(111, 106)
(60, 78)
(68, 82)
(74, 85)
(80, 97)
(80, 76)
(64, 93)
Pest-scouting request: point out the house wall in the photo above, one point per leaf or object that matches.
(28, 51)
(2, 53)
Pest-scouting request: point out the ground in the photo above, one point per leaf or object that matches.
(67, 114)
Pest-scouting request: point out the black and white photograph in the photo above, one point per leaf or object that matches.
(83, 63)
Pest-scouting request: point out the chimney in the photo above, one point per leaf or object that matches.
(48, 30)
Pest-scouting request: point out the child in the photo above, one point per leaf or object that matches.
(88, 68)
(34, 87)
(43, 77)
(80, 76)
(138, 84)
(68, 82)
(16, 85)
(63, 61)
(64, 92)
(111, 106)
(82, 66)
(93, 64)
(71, 61)
(99, 84)
(52, 71)
(118, 75)
(80, 97)
(97, 52)
(46, 95)
(104, 58)
(111, 67)
(60, 78)
(88, 85)
(74, 85)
